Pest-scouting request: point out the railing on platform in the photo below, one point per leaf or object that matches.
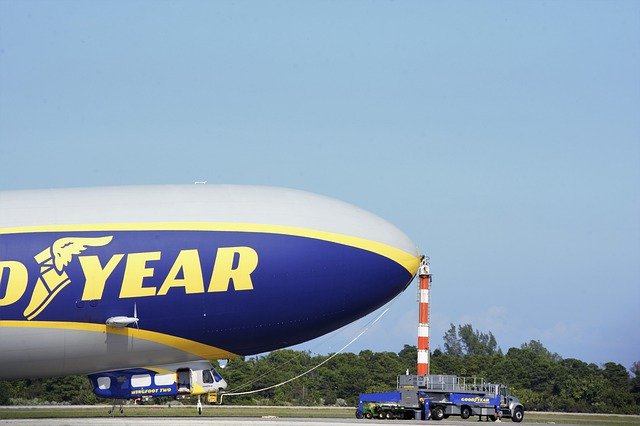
(447, 383)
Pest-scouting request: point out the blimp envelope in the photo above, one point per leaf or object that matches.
(212, 271)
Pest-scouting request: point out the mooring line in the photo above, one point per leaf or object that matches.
(311, 369)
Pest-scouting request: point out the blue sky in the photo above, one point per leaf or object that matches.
(503, 137)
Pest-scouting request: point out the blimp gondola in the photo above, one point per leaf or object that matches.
(102, 279)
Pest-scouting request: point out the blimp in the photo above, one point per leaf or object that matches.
(139, 287)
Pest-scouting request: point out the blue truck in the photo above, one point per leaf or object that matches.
(439, 396)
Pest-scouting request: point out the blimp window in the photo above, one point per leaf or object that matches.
(206, 376)
(104, 382)
(164, 379)
(140, 380)
(216, 375)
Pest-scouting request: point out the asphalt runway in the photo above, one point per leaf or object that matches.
(238, 421)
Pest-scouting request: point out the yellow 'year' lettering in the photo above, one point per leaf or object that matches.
(135, 272)
(96, 276)
(224, 272)
(189, 262)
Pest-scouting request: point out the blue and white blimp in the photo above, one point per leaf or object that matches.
(147, 282)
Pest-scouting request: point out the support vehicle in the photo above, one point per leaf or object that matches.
(440, 396)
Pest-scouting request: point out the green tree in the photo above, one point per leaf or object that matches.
(535, 347)
(5, 392)
(408, 357)
(477, 343)
(445, 363)
(540, 378)
(71, 389)
(466, 341)
(616, 375)
(635, 382)
(452, 343)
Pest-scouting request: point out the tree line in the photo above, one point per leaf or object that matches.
(542, 380)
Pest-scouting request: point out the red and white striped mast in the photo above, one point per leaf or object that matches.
(424, 273)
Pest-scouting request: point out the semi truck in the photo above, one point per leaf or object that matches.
(440, 396)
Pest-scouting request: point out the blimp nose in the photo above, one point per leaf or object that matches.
(320, 264)
(307, 285)
(387, 269)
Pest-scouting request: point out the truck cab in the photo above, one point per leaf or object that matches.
(510, 405)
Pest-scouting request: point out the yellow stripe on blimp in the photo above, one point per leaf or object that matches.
(409, 261)
(201, 350)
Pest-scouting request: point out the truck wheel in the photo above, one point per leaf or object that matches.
(367, 415)
(381, 415)
(437, 412)
(389, 415)
(465, 412)
(359, 414)
(518, 414)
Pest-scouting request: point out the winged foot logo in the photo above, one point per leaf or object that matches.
(231, 266)
(52, 261)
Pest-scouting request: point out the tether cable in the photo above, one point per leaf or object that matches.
(311, 369)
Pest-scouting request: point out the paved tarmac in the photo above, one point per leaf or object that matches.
(237, 421)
